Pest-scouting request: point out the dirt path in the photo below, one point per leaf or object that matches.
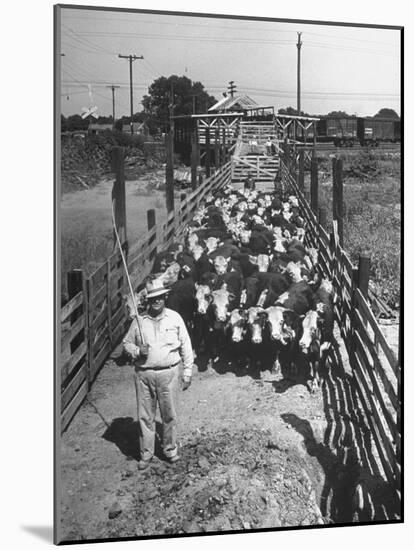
(253, 456)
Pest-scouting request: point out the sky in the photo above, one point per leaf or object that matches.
(342, 68)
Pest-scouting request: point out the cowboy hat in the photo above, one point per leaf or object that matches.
(156, 288)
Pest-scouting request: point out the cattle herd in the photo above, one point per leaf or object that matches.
(247, 286)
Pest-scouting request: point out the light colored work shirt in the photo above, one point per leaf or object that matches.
(167, 338)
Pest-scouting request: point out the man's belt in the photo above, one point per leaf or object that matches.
(158, 368)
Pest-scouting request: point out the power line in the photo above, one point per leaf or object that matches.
(233, 27)
(85, 41)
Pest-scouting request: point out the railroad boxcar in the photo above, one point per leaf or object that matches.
(372, 131)
(342, 131)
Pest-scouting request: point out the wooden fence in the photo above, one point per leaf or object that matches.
(376, 371)
(94, 320)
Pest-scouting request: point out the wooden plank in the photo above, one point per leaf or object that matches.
(73, 406)
(100, 359)
(367, 315)
(102, 337)
(73, 386)
(98, 275)
(99, 295)
(387, 457)
(71, 363)
(376, 390)
(382, 373)
(99, 320)
(117, 316)
(73, 331)
(71, 306)
(118, 333)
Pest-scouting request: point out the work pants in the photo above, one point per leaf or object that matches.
(152, 387)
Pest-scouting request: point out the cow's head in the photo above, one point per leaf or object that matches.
(311, 331)
(221, 264)
(245, 235)
(280, 322)
(294, 271)
(220, 303)
(192, 240)
(197, 252)
(203, 298)
(237, 323)
(294, 201)
(300, 234)
(256, 319)
(263, 262)
(211, 244)
(276, 322)
(170, 276)
(327, 286)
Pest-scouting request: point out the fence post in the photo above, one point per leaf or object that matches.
(91, 332)
(217, 147)
(338, 197)
(75, 285)
(364, 264)
(118, 194)
(322, 217)
(194, 156)
(169, 172)
(152, 222)
(108, 300)
(301, 173)
(224, 159)
(314, 183)
(207, 151)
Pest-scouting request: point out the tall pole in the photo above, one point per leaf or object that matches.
(131, 59)
(113, 103)
(231, 88)
(299, 45)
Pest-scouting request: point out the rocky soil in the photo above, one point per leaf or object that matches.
(253, 456)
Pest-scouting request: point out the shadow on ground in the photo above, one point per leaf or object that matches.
(124, 433)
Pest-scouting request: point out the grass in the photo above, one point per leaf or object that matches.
(372, 217)
(85, 247)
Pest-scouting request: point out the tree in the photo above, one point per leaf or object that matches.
(157, 103)
(386, 113)
(291, 111)
(76, 122)
(339, 114)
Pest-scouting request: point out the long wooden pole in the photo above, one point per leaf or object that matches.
(127, 274)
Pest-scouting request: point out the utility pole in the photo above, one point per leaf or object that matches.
(113, 103)
(232, 88)
(131, 59)
(299, 45)
(194, 102)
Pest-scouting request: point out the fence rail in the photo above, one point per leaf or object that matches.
(375, 368)
(94, 319)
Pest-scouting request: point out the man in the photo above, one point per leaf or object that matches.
(269, 144)
(250, 183)
(157, 354)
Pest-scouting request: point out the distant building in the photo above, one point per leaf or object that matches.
(139, 128)
(96, 128)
